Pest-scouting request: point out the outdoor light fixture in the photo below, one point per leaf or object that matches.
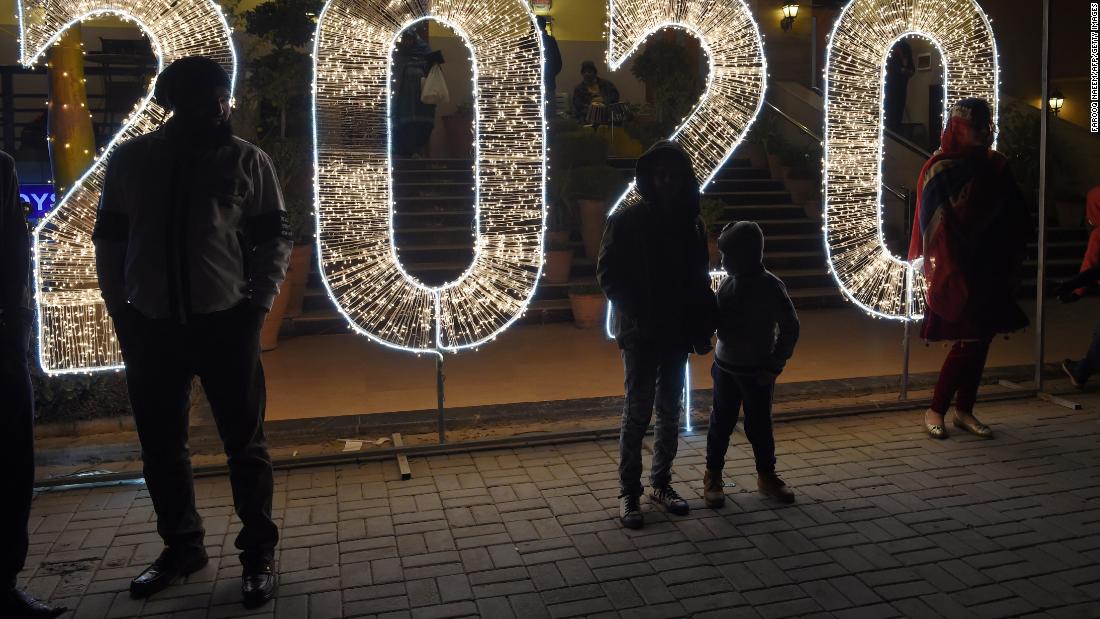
(884, 285)
(75, 334)
(790, 11)
(352, 93)
(1056, 101)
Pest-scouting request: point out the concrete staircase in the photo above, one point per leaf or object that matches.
(434, 232)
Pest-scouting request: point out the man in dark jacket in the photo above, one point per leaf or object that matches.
(552, 58)
(593, 90)
(191, 244)
(653, 267)
(17, 416)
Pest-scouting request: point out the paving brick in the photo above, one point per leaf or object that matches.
(1002, 528)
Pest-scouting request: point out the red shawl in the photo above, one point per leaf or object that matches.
(971, 229)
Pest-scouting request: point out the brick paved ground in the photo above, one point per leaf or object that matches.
(888, 523)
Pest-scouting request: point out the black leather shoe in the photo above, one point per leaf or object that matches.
(169, 566)
(258, 585)
(18, 604)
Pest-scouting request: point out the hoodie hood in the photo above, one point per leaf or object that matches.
(670, 150)
(742, 247)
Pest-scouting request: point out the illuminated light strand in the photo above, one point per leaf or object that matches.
(74, 331)
(855, 76)
(736, 77)
(355, 205)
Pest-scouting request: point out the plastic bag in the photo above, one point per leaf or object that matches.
(434, 91)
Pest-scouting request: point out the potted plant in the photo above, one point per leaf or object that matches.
(561, 216)
(588, 304)
(300, 216)
(591, 187)
(662, 68)
(712, 211)
(559, 262)
(459, 129)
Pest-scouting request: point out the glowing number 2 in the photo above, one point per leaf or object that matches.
(863, 36)
(75, 333)
(353, 51)
(736, 81)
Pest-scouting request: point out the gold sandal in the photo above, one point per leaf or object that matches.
(935, 430)
(976, 427)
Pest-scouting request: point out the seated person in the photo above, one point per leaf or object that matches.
(592, 91)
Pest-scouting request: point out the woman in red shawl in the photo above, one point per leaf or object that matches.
(970, 236)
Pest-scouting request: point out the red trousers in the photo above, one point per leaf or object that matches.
(960, 376)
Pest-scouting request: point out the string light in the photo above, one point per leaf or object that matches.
(736, 76)
(355, 204)
(75, 332)
(880, 283)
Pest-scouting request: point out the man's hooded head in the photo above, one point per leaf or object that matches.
(666, 178)
(197, 90)
(742, 247)
(588, 71)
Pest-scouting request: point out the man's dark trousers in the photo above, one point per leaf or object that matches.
(652, 376)
(17, 454)
(223, 350)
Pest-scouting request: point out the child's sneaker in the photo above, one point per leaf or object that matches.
(774, 488)
(630, 511)
(669, 499)
(714, 491)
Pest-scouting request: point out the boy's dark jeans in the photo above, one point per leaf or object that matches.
(731, 392)
(223, 350)
(1087, 366)
(652, 376)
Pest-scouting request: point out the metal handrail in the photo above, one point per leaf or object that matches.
(908, 144)
(797, 125)
(902, 194)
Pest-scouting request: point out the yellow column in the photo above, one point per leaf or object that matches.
(69, 124)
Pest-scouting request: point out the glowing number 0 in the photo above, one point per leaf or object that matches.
(735, 84)
(855, 72)
(75, 333)
(353, 51)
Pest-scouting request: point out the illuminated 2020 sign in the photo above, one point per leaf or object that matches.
(353, 57)
(75, 333)
(878, 282)
(354, 45)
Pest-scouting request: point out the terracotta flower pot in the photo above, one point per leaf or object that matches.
(593, 216)
(558, 266)
(589, 310)
(269, 334)
(297, 278)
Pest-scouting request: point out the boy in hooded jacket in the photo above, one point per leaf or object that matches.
(757, 332)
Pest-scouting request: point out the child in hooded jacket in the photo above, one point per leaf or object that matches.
(757, 332)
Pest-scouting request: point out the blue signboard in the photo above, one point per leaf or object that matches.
(41, 199)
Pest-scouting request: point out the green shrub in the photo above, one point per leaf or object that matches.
(76, 397)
